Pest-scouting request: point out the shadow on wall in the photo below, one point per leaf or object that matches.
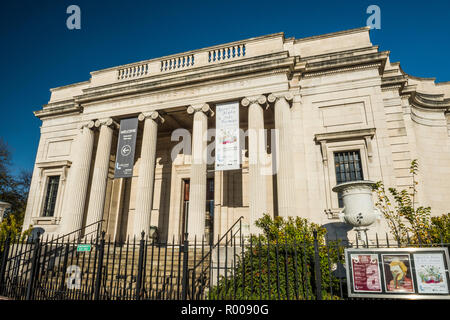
(164, 201)
(36, 232)
(338, 231)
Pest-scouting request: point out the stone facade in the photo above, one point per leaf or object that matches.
(323, 94)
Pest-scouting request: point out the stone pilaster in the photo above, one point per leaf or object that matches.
(100, 174)
(197, 192)
(144, 197)
(256, 157)
(78, 180)
(283, 154)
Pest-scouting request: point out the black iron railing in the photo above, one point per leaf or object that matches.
(200, 274)
(235, 267)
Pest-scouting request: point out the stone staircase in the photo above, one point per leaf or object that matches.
(54, 269)
(162, 273)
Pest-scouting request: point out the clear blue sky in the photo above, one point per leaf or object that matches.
(39, 52)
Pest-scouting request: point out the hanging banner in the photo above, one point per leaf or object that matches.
(125, 148)
(228, 152)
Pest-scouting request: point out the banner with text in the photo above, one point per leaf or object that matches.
(125, 148)
(228, 152)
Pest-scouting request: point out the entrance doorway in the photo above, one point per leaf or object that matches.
(209, 210)
(185, 208)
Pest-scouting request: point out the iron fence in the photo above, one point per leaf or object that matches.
(235, 267)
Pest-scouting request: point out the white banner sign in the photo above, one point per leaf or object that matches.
(228, 152)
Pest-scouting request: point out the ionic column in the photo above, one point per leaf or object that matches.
(77, 183)
(256, 157)
(197, 192)
(144, 196)
(100, 174)
(283, 154)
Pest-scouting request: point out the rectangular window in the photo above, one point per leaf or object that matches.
(50, 197)
(348, 168)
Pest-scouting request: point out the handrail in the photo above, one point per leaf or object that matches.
(58, 238)
(230, 230)
(78, 230)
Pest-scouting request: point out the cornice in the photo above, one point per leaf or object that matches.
(53, 164)
(340, 70)
(349, 63)
(345, 135)
(59, 108)
(333, 34)
(396, 82)
(324, 138)
(430, 101)
(341, 54)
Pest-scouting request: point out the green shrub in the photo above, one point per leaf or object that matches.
(440, 228)
(279, 263)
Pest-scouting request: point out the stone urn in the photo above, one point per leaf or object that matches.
(359, 210)
(3, 207)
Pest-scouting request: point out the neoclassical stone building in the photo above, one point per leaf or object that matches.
(342, 111)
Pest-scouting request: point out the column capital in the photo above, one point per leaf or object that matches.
(247, 101)
(90, 124)
(274, 97)
(203, 107)
(109, 122)
(154, 115)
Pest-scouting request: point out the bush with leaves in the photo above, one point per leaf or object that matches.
(440, 229)
(279, 263)
(408, 222)
(14, 190)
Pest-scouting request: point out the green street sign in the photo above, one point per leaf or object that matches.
(83, 248)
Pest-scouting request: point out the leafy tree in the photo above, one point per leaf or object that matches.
(279, 263)
(409, 222)
(14, 190)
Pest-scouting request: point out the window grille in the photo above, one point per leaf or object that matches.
(348, 168)
(50, 197)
